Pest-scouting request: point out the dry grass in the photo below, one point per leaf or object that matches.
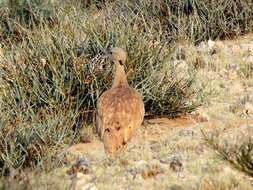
(238, 152)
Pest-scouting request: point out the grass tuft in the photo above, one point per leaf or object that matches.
(239, 154)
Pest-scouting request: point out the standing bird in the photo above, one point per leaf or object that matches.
(120, 110)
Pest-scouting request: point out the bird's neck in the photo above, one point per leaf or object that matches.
(120, 78)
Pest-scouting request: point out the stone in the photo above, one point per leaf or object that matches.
(175, 187)
(248, 108)
(82, 183)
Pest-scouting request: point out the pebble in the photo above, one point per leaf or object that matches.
(89, 186)
(155, 147)
(181, 175)
(82, 183)
(161, 176)
(175, 187)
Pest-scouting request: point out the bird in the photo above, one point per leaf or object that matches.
(120, 110)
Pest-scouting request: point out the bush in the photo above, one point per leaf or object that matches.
(199, 20)
(239, 154)
(19, 17)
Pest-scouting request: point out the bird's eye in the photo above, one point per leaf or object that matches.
(118, 128)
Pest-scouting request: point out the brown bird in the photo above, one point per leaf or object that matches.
(120, 110)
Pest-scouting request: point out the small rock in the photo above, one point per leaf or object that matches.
(234, 49)
(1, 54)
(175, 187)
(89, 186)
(202, 117)
(83, 162)
(43, 62)
(160, 176)
(181, 175)
(133, 173)
(81, 166)
(248, 108)
(219, 45)
(82, 183)
(121, 181)
(211, 44)
(202, 47)
(142, 164)
(209, 47)
(234, 67)
(246, 47)
(138, 177)
(155, 147)
(224, 73)
(187, 133)
(176, 165)
(164, 161)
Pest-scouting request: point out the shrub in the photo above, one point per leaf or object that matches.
(199, 20)
(239, 154)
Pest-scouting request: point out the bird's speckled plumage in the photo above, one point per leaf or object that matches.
(120, 110)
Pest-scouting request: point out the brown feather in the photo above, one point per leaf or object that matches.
(120, 110)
